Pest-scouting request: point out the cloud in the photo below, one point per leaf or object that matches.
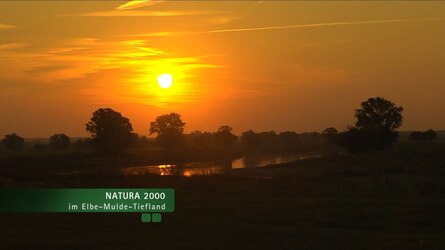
(79, 57)
(255, 4)
(135, 13)
(6, 26)
(47, 69)
(280, 27)
(7, 46)
(137, 4)
(164, 34)
(224, 19)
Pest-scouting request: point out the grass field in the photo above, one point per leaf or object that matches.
(378, 200)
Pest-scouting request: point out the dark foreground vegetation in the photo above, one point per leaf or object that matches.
(374, 188)
(391, 199)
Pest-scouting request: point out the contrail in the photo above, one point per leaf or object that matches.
(319, 25)
(293, 26)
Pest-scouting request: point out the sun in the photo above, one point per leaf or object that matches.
(165, 81)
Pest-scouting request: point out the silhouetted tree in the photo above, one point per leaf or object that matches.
(355, 140)
(111, 132)
(13, 142)
(310, 138)
(428, 135)
(59, 142)
(80, 144)
(39, 147)
(416, 136)
(330, 135)
(225, 138)
(378, 114)
(268, 141)
(201, 139)
(289, 141)
(141, 141)
(250, 141)
(375, 127)
(170, 129)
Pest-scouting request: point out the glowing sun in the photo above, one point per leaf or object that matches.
(165, 81)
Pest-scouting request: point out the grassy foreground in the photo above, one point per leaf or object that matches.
(378, 200)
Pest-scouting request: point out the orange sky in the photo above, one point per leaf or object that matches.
(261, 65)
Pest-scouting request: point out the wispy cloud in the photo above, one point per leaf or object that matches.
(137, 4)
(135, 13)
(224, 19)
(255, 4)
(6, 26)
(7, 46)
(123, 70)
(165, 34)
(280, 27)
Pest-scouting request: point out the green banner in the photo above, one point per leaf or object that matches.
(87, 200)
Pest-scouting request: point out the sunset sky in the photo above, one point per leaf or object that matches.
(261, 65)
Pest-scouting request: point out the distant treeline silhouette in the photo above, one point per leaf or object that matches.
(111, 132)
(428, 135)
(375, 128)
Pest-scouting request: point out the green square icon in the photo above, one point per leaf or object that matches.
(156, 217)
(146, 217)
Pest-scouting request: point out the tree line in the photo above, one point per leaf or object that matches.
(111, 132)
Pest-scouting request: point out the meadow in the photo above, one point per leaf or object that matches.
(391, 199)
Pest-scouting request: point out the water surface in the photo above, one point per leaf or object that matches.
(211, 168)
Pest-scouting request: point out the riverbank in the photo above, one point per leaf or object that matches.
(28, 163)
(86, 161)
(377, 200)
(404, 159)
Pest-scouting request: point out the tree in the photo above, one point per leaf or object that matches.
(13, 142)
(358, 140)
(59, 142)
(250, 141)
(224, 137)
(39, 147)
(201, 139)
(428, 135)
(375, 128)
(330, 135)
(81, 144)
(111, 132)
(289, 141)
(380, 114)
(169, 129)
(141, 141)
(268, 141)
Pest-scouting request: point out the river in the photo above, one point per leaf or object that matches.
(212, 168)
